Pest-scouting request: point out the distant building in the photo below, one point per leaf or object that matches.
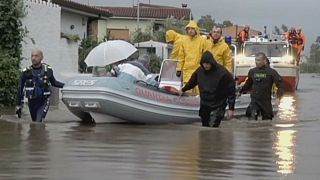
(125, 19)
(162, 50)
(235, 29)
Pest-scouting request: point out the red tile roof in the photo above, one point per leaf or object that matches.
(143, 5)
(150, 11)
(82, 7)
(235, 29)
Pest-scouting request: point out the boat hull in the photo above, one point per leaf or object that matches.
(106, 99)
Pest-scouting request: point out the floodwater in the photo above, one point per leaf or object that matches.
(285, 148)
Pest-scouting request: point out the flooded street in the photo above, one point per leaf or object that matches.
(286, 148)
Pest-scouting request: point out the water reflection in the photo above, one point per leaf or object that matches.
(285, 141)
(9, 141)
(35, 160)
(215, 157)
(284, 147)
(38, 139)
(287, 108)
(254, 154)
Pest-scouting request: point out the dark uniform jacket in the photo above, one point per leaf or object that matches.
(30, 73)
(216, 85)
(260, 80)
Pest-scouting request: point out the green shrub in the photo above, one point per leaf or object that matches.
(86, 46)
(12, 33)
(9, 78)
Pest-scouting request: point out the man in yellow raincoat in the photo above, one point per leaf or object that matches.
(220, 49)
(191, 50)
(172, 37)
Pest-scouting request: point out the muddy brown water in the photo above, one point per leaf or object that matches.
(285, 148)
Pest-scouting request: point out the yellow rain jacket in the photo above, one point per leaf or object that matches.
(190, 53)
(176, 38)
(222, 53)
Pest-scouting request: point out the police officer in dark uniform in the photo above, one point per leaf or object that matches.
(260, 81)
(35, 83)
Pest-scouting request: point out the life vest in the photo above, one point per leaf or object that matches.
(299, 40)
(37, 85)
(293, 38)
(239, 36)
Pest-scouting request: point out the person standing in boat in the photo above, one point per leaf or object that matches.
(192, 47)
(36, 82)
(243, 36)
(217, 89)
(220, 49)
(260, 81)
(301, 43)
(174, 38)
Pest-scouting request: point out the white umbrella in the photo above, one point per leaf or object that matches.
(109, 52)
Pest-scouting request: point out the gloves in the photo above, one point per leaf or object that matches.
(178, 74)
(19, 111)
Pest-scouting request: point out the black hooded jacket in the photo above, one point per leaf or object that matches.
(216, 85)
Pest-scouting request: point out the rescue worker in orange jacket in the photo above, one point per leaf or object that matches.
(301, 42)
(191, 50)
(220, 49)
(296, 42)
(291, 35)
(172, 37)
(244, 35)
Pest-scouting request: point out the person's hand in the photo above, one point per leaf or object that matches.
(19, 111)
(178, 74)
(278, 101)
(230, 114)
(302, 48)
(180, 92)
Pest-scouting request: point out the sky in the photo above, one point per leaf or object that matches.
(256, 13)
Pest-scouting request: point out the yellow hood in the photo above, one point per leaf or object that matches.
(193, 24)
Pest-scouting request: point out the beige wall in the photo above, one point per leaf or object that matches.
(122, 25)
(119, 34)
(131, 25)
(102, 29)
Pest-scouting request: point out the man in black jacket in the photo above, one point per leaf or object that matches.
(260, 80)
(217, 87)
(35, 83)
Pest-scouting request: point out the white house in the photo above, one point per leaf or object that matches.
(50, 25)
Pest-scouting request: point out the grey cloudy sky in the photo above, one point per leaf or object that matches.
(256, 13)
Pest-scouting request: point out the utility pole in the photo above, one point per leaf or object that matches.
(138, 15)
